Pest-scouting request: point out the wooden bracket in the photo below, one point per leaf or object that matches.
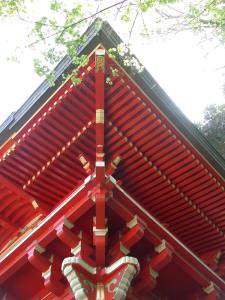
(64, 233)
(78, 243)
(49, 268)
(99, 229)
(112, 165)
(147, 278)
(132, 235)
(210, 292)
(36, 257)
(86, 163)
(52, 277)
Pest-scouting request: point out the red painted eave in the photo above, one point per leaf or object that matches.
(160, 169)
(159, 166)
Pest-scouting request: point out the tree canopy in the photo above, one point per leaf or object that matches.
(213, 126)
(58, 30)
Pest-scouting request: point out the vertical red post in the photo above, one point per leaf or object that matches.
(99, 227)
(100, 113)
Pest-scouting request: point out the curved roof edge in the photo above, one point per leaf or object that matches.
(105, 35)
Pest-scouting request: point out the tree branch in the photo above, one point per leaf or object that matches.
(119, 8)
(144, 25)
(33, 22)
(132, 26)
(61, 32)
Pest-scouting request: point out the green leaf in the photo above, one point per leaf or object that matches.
(55, 5)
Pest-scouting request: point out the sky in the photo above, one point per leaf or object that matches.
(190, 71)
(189, 74)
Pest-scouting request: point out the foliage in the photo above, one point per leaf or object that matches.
(213, 126)
(66, 38)
(128, 59)
(59, 30)
(10, 7)
(210, 14)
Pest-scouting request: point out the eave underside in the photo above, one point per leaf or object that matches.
(159, 167)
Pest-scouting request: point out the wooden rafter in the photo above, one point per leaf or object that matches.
(6, 223)
(54, 158)
(199, 271)
(18, 192)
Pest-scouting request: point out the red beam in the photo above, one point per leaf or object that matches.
(100, 113)
(73, 207)
(99, 227)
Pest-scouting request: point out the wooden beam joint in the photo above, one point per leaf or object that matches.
(49, 268)
(147, 279)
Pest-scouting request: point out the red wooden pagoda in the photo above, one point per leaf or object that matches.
(108, 192)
